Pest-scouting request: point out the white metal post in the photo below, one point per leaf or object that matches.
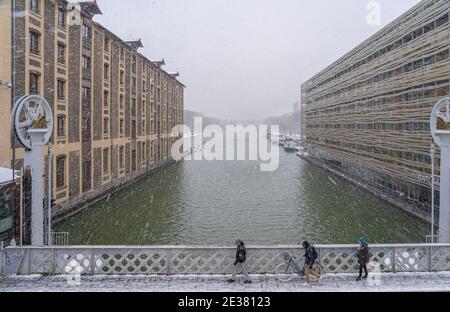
(432, 155)
(444, 219)
(37, 191)
(49, 194)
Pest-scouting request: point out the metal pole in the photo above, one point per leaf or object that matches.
(37, 188)
(21, 206)
(444, 219)
(1, 257)
(432, 154)
(13, 133)
(49, 194)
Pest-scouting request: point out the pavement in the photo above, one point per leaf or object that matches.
(404, 282)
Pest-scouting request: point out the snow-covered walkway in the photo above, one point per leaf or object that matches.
(261, 283)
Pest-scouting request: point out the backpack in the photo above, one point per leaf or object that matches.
(314, 253)
(242, 254)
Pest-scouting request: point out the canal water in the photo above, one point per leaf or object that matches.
(215, 202)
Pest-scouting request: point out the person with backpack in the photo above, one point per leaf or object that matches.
(311, 257)
(239, 263)
(363, 257)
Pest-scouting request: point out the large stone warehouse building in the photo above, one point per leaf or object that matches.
(114, 109)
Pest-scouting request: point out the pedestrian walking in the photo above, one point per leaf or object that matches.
(239, 263)
(363, 257)
(310, 259)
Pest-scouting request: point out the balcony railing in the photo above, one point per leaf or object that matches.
(58, 239)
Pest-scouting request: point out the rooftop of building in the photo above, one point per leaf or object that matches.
(91, 8)
(379, 34)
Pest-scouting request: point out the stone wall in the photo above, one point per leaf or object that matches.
(81, 201)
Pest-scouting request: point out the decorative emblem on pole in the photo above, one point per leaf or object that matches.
(440, 120)
(29, 113)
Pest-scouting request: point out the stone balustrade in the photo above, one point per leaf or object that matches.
(174, 260)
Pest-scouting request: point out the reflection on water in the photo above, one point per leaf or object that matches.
(201, 202)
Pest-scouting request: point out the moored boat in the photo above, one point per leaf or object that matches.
(290, 148)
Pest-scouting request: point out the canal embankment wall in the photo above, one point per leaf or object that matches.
(357, 177)
(84, 201)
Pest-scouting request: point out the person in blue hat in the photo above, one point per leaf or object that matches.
(363, 258)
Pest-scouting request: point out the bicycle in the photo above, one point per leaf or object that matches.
(285, 272)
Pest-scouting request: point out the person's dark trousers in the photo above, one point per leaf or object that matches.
(361, 267)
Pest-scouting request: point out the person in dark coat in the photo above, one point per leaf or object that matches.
(363, 257)
(309, 263)
(239, 263)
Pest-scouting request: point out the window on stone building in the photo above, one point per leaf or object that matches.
(34, 83)
(133, 107)
(34, 6)
(121, 101)
(61, 89)
(86, 96)
(61, 53)
(122, 77)
(86, 32)
(105, 98)
(86, 67)
(133, 160)
(34, 42)
(133, 64)
(61, 17)
(106, 71)
(60, 171)
(144, 151)
(105, 161)
(133, 85)
(106, 45)
(121, 157)
(106, 126)
(121, 127)
(60, 127)
(86, 129)
(86, 175)
(133, 128)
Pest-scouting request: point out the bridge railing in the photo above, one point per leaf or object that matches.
(170, 260)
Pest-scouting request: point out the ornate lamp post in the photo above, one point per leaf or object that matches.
(32, 119)
(440, 130)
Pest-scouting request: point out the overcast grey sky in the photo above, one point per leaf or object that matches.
(245, 59)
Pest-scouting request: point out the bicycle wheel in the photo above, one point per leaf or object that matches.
(284, 272)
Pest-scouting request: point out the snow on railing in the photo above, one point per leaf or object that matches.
(172, 260)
